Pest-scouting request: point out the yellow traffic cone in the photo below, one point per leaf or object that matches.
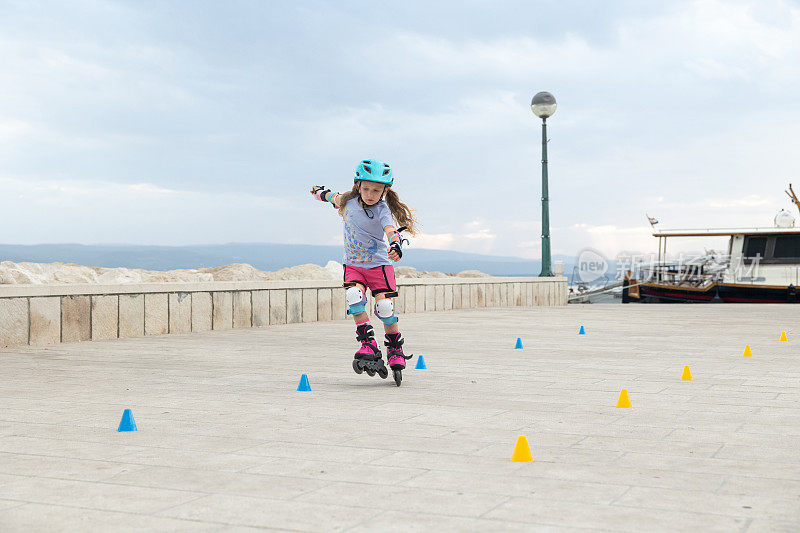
(522, 452)
(783, 336)
(687, 374)
(747, 351)
(624, 399)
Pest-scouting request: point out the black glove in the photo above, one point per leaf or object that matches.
(396, 247)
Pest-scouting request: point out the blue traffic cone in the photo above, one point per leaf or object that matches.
(304, 385)
(582, 331)
(127, 423)
(420, 363)
(519, 344)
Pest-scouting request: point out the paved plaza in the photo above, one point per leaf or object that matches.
(226, 443)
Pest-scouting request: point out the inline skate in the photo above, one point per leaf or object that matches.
(368, 358)
(395, 356)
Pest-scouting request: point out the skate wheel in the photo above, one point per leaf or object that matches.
(369, 371)
(383, 373)
(357, 368)
(398, 376)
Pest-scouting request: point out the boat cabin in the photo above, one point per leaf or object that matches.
(755, 255)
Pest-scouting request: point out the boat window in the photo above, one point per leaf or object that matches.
(755, 246)
(787, 246)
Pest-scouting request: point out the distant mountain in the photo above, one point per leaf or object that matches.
(263, 256)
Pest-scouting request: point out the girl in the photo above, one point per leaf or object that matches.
(368, 210)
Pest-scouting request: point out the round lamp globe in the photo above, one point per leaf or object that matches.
(543, 104)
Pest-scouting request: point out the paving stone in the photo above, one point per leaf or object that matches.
(324, 305)
(420, 295)
(260, 308)
(39, 517)
(277, 306)
(409, 500)
(131, 315)
(226, 442)
(223, 310)
(13, 321)
(545, 510)
(92, 495)
(242, 309)
(45, 321)
(202, 319)
(410, 304)
(310, 305)
(218, 482)
(277, 514)
(76, 324)
(156, 314)
(294, 306)
(338, 304)
(105, 317)
(438, 297)
(457, 296)
(180, 312)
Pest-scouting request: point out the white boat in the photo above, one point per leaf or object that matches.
(762, 265)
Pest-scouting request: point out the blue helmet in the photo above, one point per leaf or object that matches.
(374, 170)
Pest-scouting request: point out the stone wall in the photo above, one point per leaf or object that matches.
(49, 314)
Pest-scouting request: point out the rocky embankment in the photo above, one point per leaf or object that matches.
(61, 273)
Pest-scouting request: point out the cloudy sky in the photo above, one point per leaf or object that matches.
(206, 122)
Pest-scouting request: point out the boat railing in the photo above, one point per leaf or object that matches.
(583, 292)
(720, 232)
(682, 273)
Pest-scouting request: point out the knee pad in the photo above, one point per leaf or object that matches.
(384, 309)
(356, 300)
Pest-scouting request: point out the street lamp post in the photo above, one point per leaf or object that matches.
(543, 105)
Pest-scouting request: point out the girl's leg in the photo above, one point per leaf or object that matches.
(364, 333)
(391, 328)
(356, 300)
(386, 311)
(368, 358)
(360, 319)
(394, 340)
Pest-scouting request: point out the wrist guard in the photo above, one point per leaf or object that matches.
(400, 240)
(396, 242)
(322, 194)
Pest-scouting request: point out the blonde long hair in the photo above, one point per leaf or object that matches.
(400, 211)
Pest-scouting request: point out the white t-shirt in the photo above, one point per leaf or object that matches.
(364, 236)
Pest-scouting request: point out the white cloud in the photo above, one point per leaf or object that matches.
(475, 236)
(689, 115)
(752, 200)
(608, 239)
(424, 56)
(704, 39)
(436, 241)
(12, 129)
(376, 125)
(139, 213)
(482, 234)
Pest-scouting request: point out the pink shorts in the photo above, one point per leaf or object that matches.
(379, 279)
